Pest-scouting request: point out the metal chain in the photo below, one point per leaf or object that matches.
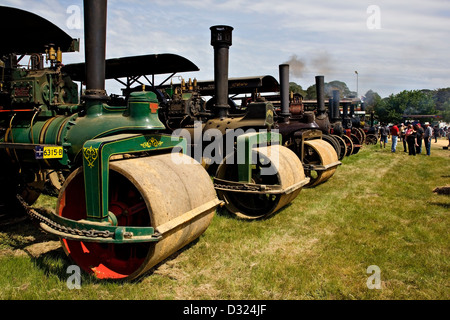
(243, 187)
(58, 227)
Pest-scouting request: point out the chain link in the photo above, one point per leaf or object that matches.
(244, 187)
(58, 227)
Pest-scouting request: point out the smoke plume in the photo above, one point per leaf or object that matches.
(296, 66)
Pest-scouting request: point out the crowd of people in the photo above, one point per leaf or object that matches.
(413, 136)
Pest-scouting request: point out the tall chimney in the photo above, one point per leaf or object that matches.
(221, 41)
(284, 91)
(331, 109)
(336, 99)
(95, 48)
(345, 109)
(320, 92)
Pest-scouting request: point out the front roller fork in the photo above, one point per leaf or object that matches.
(260, 177)
(100, 224)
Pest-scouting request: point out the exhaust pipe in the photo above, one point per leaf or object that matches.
(95, 48)
(320, 92)
(284, 91)
(221, 41)
(336, 99)
(345, 110)
(331, 109)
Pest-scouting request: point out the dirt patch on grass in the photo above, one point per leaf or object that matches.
(41, 248)
(35, 250)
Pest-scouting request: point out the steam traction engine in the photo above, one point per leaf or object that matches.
(301, 131)
(124, 205)
(253, 173)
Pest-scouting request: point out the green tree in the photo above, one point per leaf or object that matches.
(344, 91)
(341, 86)
(441, 98)
(371, 100)
(445, 112)
(415, 102)
(296, 88)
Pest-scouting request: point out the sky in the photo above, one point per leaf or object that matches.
(392, 45)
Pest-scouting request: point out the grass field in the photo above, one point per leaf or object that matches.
(379, 209)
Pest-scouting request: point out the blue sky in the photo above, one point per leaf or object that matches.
(394, 45)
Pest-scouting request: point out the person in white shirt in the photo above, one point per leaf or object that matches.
(427, 137)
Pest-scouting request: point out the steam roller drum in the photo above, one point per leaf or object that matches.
(321, 153)
(356, 143)
(349, 144)
(343, 147)
(146, 192)
(358, 134)
(361, 136)
(289, 175)
(371, 139)
(331, 140)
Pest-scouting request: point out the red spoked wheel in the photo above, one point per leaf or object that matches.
(143, 192)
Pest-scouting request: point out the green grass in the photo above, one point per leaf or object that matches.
(378, 209)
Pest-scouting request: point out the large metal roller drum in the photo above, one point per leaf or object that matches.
(343, 147)
(289, 172)
(333, 141)
(360, 134)
(148, 191)
(320, 152)
(356, 143)
(349, 143)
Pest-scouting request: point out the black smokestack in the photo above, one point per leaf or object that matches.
(221, 41)
(95, 47)
(345, 106)
(330, 108)
(320, 92)
(336, 99)
(284, 91)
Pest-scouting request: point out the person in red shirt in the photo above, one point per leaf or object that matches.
(394, 134)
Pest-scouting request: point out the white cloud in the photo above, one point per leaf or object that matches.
(409, 51)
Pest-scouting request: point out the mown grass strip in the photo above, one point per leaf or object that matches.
(378, 209)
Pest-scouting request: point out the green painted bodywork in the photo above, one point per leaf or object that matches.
(95, 120)
(96, 155)
(89, 137)
(247, 142)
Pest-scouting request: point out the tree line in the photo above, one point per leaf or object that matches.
(390, 109)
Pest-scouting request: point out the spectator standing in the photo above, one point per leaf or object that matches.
(403, 137)
(428, 133)
(436, 133)
(420, 132)
(394, 136)
(411, 139)
(383, 135)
